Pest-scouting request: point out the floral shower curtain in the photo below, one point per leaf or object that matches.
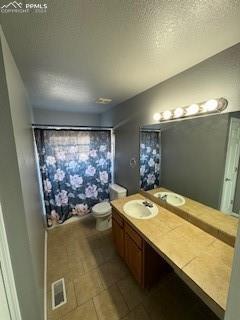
(75, 168)
(149, 159)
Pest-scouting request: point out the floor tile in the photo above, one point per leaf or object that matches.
(57, 255)
(113, 271)
(137, 313)
(99, 285)
(75, 270)
(87, 286)
(80, 248)
(89, 226)
(109, 304)
(95, 241)
(56, 272)
(92, 260)
(131, 291)
(84, 312)
(108, 253)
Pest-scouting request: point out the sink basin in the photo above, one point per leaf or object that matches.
(170, 197)
(136, 209)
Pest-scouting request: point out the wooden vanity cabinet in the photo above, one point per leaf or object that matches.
(118, 234)
(134, 258)
(142, 260)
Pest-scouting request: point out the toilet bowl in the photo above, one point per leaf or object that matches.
(103, 210)
(103, 215)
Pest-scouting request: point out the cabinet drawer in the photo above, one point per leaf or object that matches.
(134, 236)
(117, 217)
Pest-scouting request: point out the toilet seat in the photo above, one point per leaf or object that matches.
(102, 209)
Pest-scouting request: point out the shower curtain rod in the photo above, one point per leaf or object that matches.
(55, 127)
(150, 130)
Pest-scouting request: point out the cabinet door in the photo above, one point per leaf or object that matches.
(133, 257)
(118, 237)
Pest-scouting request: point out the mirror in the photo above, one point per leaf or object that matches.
(196, 158)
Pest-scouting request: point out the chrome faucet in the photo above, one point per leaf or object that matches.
(147, 204)
(163, 198)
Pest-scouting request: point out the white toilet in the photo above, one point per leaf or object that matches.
(103, 210)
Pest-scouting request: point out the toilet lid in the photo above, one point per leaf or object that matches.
(102, 208)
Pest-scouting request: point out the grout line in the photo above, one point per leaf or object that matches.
(181, 269)
(133, 309)
(94, 307)
(117, 285)
(108, 289)
(198, 255)
(74, 290)
(147, 312)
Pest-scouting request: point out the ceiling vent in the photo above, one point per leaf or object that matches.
(103, 100)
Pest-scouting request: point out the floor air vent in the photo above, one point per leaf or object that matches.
(58, 293)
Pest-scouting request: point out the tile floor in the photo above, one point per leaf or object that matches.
(100, 287)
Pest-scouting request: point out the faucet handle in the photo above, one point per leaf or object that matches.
(147, 203)
(163, 197)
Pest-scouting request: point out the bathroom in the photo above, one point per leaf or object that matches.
(119, 193)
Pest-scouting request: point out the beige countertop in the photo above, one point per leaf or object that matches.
(213, 221)
(200, 259)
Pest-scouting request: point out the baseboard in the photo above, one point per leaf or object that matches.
(68, 221)
(45, 275)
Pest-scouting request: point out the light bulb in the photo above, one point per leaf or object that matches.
(157, 116)
(210, 105)
(178, 112)
(192, 109)
(167, 115)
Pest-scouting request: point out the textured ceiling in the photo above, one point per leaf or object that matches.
(81, 50)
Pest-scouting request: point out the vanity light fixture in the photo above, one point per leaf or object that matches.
(195, 109)
(192, 109)
(157, 116)
(178, 113)
(210, 105)
(167, 115)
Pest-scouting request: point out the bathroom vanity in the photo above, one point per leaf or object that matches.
(142, 260)
(188, 208)
(149, 246)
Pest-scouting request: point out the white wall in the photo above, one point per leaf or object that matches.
(19, 190)
(61, 118)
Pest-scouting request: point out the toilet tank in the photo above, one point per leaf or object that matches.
(116, 191)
